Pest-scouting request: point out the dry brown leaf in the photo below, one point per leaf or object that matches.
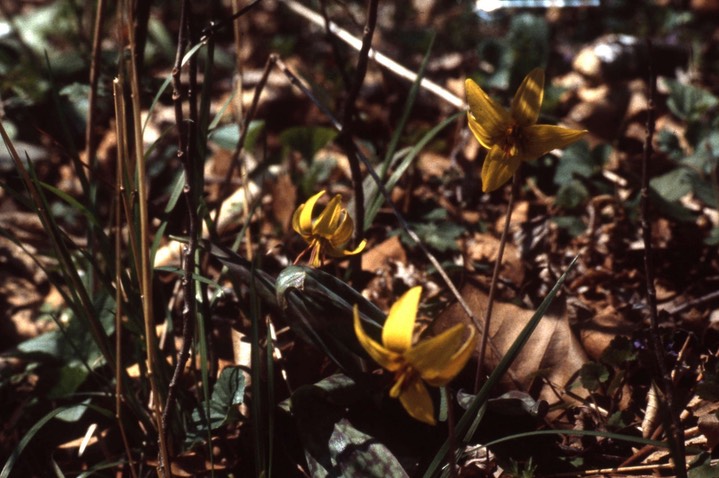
(378, 256)
(433, 164)
(485, 248)
(597, 333)
(552, 348)
(284, 198)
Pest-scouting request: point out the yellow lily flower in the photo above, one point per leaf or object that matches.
(512, 136)
(328, 233)
(435, 361)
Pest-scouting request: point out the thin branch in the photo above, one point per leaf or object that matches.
(693, 303)
(376, 56)
(183, 153)
(90, 143)
(217, 26)
(345, 136)
(661, 375)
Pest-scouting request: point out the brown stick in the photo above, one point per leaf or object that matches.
(345, 137)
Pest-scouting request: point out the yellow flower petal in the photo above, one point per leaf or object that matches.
(304, 213)
(327, 221)
(386, 358)
(528, 99)
(416, 400)
(439, 359)
(296, 220)
(398, 328)
(339, 252)
(498, 168)
(541, 139)
(343, 231)
(487, 119)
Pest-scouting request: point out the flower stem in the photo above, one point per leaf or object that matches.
(493, 285)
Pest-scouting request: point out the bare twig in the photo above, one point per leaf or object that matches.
(493, 284)
(217, 26)
(90, 142)
(345, 136)
(661, 375)
(373, 54)
(185, 150)
(695, 302)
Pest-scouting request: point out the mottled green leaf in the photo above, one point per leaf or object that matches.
(333, 446)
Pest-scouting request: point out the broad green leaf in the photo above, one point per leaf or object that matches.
(332, 444)
(673, 185)
(226, 136)
(572, 224)
(319, 308)
(689, 102)
(572, 195)
(307, 140)
(593, 375)
(578, 161)
(68, 379)
(229, 392)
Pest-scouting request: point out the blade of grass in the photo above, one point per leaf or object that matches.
(81, 302)
(579, 433)
(411, 97)
(375, 198)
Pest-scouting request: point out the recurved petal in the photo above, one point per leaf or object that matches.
(386, 358)
(304, 215)
(416, 400)
(340, 252)
(343, 231)
(439, 359)
(296, 220)
(498, 168)
(398, 328)
(487, 119)
(528, 99)
(540, 139)
(328, 220)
